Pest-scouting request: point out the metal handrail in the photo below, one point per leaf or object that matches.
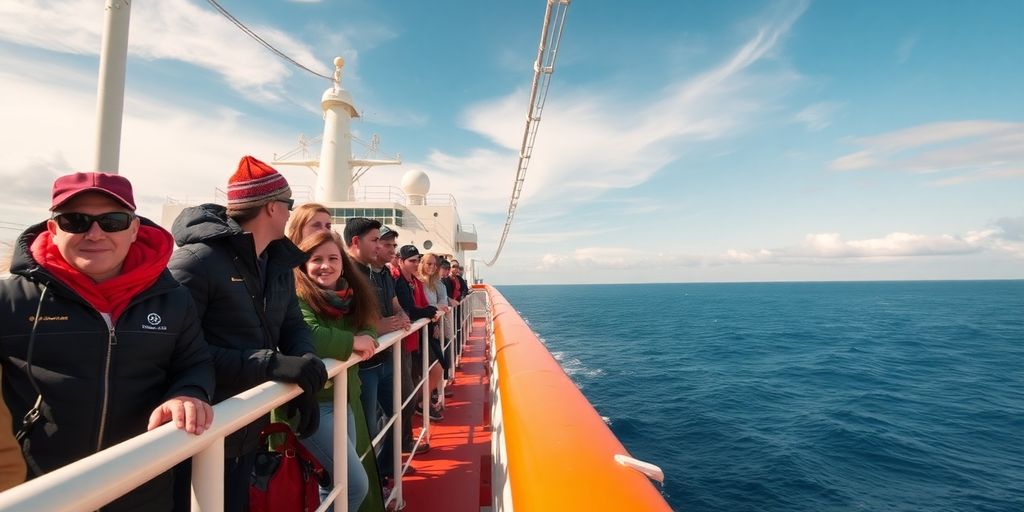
(125, 466)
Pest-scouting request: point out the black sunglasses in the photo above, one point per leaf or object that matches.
(289, 202)
(111, 222)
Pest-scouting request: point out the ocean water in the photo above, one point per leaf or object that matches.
(870, 396)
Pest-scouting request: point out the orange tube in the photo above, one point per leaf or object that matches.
(560, 452)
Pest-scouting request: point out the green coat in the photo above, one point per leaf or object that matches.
(334, 339)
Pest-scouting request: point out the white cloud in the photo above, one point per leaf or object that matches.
(591, 141)
(1005, 236)
(972, 150)
(165, 150)
(169, 29)
(818, 116)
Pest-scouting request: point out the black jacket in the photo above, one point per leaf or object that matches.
(101, 384)
(245, 317)
(408, 302)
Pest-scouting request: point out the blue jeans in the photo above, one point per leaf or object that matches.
(374, 380)
(320, 443)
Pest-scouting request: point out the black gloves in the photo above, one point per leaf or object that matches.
(308, 410)
(307, 371)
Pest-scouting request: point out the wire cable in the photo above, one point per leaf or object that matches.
(262, 41)
(547, 52)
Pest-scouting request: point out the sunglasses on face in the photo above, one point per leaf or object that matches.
(289, 202)
(111, 222)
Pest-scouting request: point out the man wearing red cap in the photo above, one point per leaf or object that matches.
(238, 265)
(98, 342)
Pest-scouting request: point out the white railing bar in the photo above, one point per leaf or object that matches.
(125, 466)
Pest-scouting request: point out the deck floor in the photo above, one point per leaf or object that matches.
(449, 476)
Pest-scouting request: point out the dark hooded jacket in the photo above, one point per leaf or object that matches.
(246, 317)
(100, 384)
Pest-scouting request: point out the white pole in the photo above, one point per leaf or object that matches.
(110, 90)
(334, 178)
(396, 427)
(208, 478)
(340, 440)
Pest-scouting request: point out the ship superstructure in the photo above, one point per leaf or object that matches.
(429, 221)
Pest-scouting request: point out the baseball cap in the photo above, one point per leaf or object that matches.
(115, 186)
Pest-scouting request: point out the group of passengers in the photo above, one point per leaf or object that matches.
(106, 331)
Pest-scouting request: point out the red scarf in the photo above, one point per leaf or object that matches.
(146, 260)
(411, 342)
(456, 288)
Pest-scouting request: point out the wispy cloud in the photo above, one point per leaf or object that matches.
(170, 29)
(906, 48)
(974, 150)
(591, 141)
(818, 116)
(1005, 236)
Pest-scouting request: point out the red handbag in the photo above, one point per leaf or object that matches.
(288, 478)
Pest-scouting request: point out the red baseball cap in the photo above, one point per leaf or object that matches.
(116, 186)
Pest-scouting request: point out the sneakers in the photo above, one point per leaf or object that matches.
(435, 413)
(407, 447)
(449, 391)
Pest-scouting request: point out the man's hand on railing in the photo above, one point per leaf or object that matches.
(307, 370)
(308, 410)
(189, 414)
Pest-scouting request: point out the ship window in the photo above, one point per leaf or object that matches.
(379, 212)
(427, 244)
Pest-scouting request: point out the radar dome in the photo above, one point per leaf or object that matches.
(415, 183)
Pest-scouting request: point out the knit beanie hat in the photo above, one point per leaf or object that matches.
(255, 184)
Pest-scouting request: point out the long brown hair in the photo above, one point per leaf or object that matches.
(364, 311)
(300, 217)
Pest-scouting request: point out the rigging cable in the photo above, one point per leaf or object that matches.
(262, 41)
(550, 37)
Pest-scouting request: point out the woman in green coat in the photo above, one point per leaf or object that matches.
(340, 308)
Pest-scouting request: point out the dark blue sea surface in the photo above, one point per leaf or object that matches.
(804, 396)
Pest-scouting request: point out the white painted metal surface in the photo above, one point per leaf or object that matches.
(110, 88)
(653, 472)
(334, 181)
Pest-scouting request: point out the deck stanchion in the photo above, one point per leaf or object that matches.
(208, 478)
(396, 426)
(340, 441)
(425, 383)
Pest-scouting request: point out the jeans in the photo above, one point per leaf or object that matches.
(374, 382)
(322, 446)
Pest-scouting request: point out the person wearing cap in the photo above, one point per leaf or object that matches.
(414, 301)
(98, 342)
(238, 265)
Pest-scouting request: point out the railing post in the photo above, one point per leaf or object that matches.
(208, 478)
(340, 441)
(451, 343)
(425, 379)
(396, 426)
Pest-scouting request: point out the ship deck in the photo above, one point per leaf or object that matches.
(454, 475)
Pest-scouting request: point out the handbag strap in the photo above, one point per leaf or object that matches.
(292, 443)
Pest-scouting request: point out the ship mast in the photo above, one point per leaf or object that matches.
(334, 177)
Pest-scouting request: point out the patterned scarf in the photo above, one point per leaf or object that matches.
(338, 301)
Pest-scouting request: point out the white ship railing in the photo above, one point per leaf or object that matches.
(96, 480)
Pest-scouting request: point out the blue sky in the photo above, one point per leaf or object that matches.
(681, 141)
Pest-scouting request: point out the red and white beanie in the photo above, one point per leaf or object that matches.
(255, 184)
